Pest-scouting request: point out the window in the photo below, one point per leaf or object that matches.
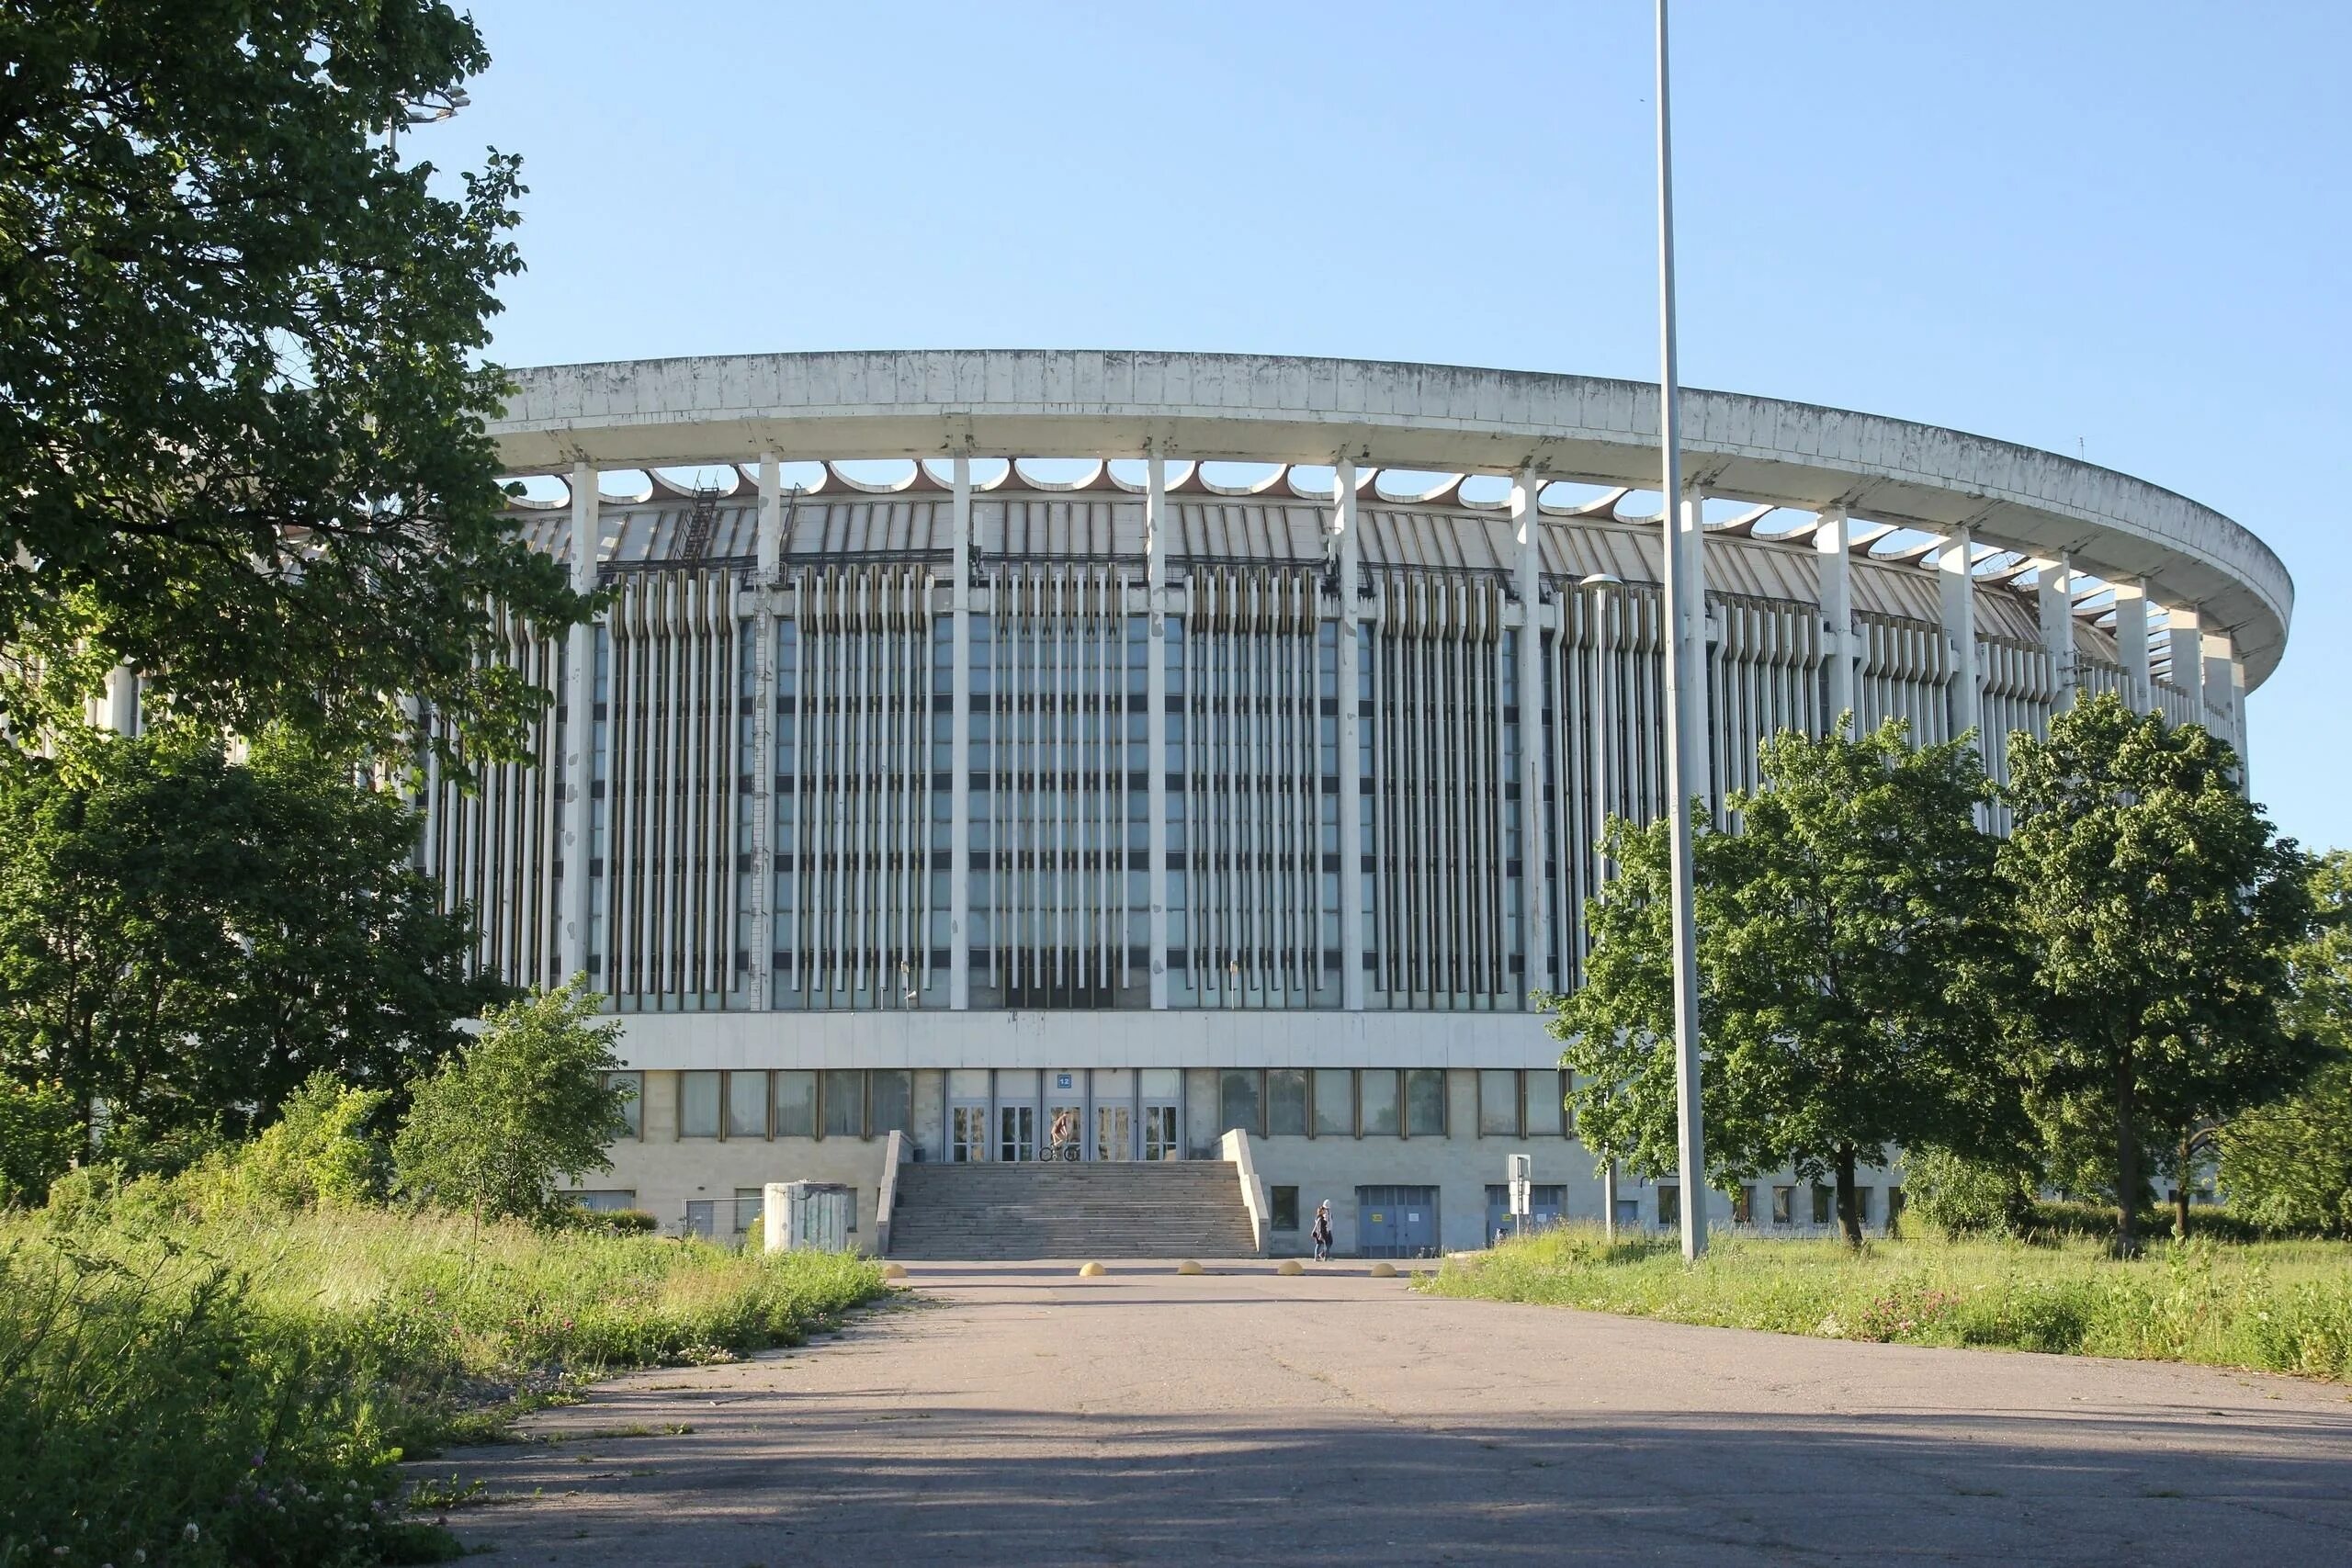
(749, 1203)
(1743, 1205)
(1425, 1102)
(796, 1105)
(893, 1101)
(1285, 1202)
(633, 1112)
(1862, 1204)
(1287, 1103)
(1545, 1118)
(1376, 1088)
(1498, 1104)
(1784, 1205)
(1894, 1207)
(1825, 1205)
(607, 1202)
(1669, 1207)
(1335, 1102)
(1238, 1099)
(747, 1105)
(844, 1103)
(697, 1105)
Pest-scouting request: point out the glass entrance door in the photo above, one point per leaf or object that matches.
(968, 1134)
(1115, 1132)
(1160, 1131)
(1016, 1131)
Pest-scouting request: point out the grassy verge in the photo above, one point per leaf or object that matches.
(239, 1390)
(2276, 1306)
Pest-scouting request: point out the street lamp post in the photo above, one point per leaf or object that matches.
(1686, 695)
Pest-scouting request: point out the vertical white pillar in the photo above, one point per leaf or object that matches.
(2131, 643)
(580, 729)
(122, 700)
(1350, 555)
(1831, 540)
(1155, 548)
(2237, 687)
(959, 788)
(1534, 927)
(2054, 597)
(2187, 658)
(1955, 574)
(759, 984)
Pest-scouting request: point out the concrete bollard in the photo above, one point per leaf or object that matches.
(1190, 1267)
(1090, 1271)
(1384, 1270)
(894, 1271)
(1290, 1265)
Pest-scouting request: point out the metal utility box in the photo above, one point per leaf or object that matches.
(808, 1216)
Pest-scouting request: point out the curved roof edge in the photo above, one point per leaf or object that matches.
(1267, 408)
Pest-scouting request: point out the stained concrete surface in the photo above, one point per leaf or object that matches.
(1014, 1414)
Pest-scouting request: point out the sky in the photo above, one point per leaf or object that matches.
(2118, 230)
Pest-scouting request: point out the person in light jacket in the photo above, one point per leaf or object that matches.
(1321, 1233)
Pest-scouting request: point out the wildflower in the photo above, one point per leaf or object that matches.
(191, 1532)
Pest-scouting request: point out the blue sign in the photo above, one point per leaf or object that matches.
(1061, 1080)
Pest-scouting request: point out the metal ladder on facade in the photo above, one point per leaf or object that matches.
(699, 523)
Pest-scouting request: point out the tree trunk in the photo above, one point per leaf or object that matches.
(2127, 1169)
(1849, 1208)
(2181, 1177)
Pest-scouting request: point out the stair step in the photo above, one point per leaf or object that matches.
(1003, 1210)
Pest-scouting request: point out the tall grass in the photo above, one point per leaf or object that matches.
(2274, 1306)
(239, 1390)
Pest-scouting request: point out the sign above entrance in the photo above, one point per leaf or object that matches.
(1061, 1080)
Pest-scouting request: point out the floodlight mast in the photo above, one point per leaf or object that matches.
(1686, 695)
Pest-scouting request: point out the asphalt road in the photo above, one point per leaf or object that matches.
(1015, 1415)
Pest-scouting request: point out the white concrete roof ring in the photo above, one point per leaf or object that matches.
(1440, 418)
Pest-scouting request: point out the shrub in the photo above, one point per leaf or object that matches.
(1965, 1197)
(320, 1149)
(40, 1132)
(524, 1103)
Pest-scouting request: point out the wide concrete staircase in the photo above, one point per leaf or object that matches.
(1142, 1209)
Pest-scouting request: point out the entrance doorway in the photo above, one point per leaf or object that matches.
(1160, 1131)
(1397, 1222)
(967, 1133)
(1158, 1093)
(1066, 1114)
(1115, 1132)
(1016, 1131)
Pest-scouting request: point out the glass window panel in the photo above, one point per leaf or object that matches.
(844, 1102)
(1165, 1084)
(1498, 1104)
(1376, 1087)
(632, 1113)
(1287, 1103)
(1238, 1098)
(893, 1101)
(1335, 1102)
(1543, 1109)
(697, 1105)
(1425, 1102)
(1284, 1201)
(747, 1105)
(796, 1105)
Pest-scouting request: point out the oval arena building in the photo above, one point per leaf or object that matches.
(1187, 766)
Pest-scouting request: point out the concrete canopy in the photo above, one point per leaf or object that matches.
(1263, 408)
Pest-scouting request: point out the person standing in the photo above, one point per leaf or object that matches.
(1321, 1233)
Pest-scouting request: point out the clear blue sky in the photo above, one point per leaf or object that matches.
(2117, 228)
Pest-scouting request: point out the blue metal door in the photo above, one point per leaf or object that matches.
(1397, 1222)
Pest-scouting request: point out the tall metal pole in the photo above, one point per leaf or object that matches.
(1685, 674)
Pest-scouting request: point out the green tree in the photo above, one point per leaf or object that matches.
(322, 1148)
(2156, 907)
(528, 1101)
(1849, 956)
(2288, 1163)
(242, 446)
(187, 938)
(40, 1134)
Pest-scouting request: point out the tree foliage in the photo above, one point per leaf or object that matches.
(187, 938)
(2287, 1165)
(2155, 907)
(1849, 962)
(240, 448)
(528, 1101)
(40, 1134)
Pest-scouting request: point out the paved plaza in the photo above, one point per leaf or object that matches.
(1015, 1415)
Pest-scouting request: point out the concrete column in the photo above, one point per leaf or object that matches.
(122, 700)
(2131, 643)
(959, 786)
(2187, 659)
(580, 729)
(2224, 689)
(2053, 596)
(759, 983)
(1534, 925)
(1686, 539)
(1344, 524)
(1156, 535)
(2237, 713)
(1964, 696)
(1832, 540)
